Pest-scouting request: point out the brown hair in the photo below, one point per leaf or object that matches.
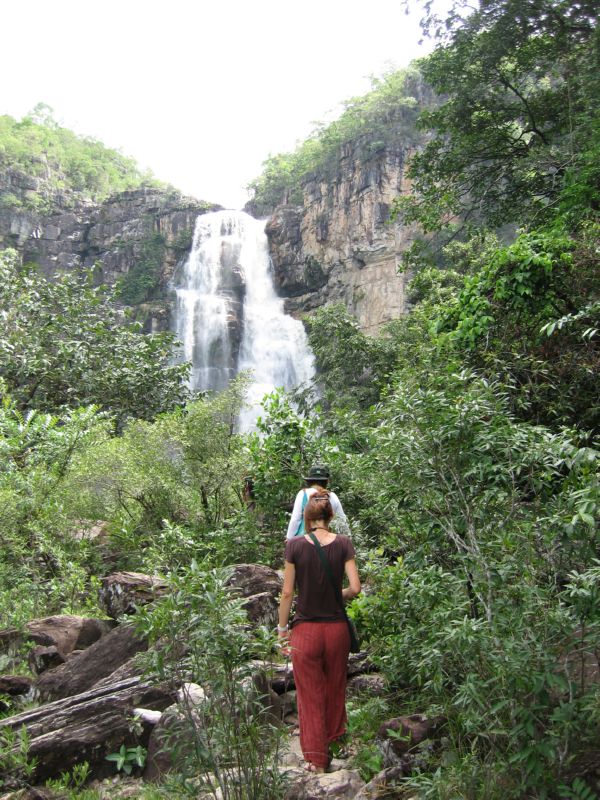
(317, 507)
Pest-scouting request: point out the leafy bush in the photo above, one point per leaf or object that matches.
(229, 740)
(43, 567)
(165, 485)
(64, 344)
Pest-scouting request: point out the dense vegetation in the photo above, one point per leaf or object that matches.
(38, 146)
(462, 441)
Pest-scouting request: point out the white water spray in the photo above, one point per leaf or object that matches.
(228, 316)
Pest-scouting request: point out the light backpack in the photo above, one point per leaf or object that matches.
(300, 531)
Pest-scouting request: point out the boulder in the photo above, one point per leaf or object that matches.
(359, 663)
(124, 592)
(66, 632)
(384, 785)
(254, 579)
(171, 741)
(407, 732)
(130, 669)
(371, 684)
(86, 727)
(262, 609)
(344, 784)
(15, 685)
(92, 665)
(41, 658)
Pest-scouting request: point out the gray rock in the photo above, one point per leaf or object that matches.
(15, 685)
(407, 733)
(339, 245)
(41, 658)
(99, 661)
(85, 727)
(384, 785)
(123, 592)
(262, 609)
(67, 632)
(250, 579)
(373, 685)
(343, 784)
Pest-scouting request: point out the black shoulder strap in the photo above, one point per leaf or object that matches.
(327, 568)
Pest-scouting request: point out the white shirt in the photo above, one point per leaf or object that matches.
(340, 523)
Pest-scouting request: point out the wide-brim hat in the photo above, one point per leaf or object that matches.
(318, 472)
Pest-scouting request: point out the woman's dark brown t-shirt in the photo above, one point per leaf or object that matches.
(316, 601)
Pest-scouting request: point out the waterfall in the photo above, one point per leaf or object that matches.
(228, 316)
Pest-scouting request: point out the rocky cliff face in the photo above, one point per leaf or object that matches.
(136, 236)
(340, 245)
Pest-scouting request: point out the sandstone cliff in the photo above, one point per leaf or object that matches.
(136, 236)
(340, 244)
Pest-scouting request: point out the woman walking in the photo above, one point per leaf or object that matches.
(319, 640)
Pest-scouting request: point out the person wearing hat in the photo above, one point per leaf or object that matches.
(316, 480)
(318, 637)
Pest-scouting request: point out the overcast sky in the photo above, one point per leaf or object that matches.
(199, 91)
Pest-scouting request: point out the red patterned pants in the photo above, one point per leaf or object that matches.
(320, 660)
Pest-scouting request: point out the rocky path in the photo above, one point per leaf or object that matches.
(91, 698)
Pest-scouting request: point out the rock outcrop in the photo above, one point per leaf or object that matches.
(137, 236)
(340, 245)
(87, 668)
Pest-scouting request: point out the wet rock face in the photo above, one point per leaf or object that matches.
(340, 245)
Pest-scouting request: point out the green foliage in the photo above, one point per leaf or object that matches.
(480, 507)
(227, 740)
(38, 146)
(579, 790)
(519, 116)
(128, 757)
(526, 316)
(142, 280)
(43, 566)
(385, 117)
(64, 344)
(15, 765)
(73, 779)
(166, 486)
(364, 719)
(352, 368)
(280, 453)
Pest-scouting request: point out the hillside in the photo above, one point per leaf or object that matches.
(68, 203)
(59, 161)
(330, 232)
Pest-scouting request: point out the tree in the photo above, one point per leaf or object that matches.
(42, 565)
(521, 110)
(64, 344)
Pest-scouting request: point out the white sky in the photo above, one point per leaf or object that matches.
(199, 91)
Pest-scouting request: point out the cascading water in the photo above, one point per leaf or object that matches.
(228, 316)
